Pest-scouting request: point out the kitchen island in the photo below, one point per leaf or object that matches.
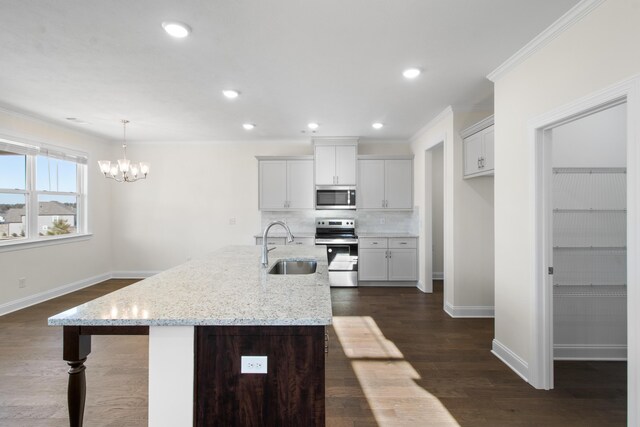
(202, 317)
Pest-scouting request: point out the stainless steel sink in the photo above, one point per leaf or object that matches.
(294, 266)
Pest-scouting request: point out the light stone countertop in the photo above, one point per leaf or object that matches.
(227, 287)
(283, 234)
(387, 235)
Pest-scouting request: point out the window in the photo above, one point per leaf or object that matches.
(42, 193)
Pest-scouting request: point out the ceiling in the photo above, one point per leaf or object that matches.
(335, 62)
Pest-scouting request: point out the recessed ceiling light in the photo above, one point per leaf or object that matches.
(377, 125)
(176, 29)
(248, 126)
(411, 73)
(313, 126)
(230, 93)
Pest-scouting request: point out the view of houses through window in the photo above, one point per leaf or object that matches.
(40, 193)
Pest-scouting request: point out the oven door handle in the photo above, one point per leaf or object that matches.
(336, 241)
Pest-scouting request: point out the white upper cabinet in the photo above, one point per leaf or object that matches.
(478, 149)
(335, 162)
(285, 184)
(385, 183)
(371, 184)
(325, 165)
(398, 184)
(346, 158)
(273, 184)
(300, 184)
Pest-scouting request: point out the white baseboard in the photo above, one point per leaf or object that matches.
(438, 275)
(589, 352)
(469, 311)
(510, 359)
(376, 284)
(132, 274)
(30, 300)
(427, 290)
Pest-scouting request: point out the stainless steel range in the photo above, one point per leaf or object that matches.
(339, 235)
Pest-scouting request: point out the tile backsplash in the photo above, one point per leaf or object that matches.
(366, 221)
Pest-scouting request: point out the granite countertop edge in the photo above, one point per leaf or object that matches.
(388, 235)
(226, 287)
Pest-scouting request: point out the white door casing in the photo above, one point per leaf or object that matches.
(541, 356)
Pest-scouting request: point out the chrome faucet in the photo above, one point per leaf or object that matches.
(265, 250)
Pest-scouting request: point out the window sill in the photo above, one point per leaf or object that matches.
(30, 244)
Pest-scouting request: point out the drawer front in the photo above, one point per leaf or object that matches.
(372, 242)
(403, 242)
(308, 241)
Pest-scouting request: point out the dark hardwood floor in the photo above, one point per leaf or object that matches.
(395, 359)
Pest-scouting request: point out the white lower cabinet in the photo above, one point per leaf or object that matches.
(372, 264)
(382, 259)
(403, 264)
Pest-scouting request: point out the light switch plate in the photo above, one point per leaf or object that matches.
(253, 364)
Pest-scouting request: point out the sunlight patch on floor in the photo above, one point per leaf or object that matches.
(387, 380)
(361, 338)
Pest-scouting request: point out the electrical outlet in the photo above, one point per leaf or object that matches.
(22, 282)
(253, 364)
(232, 221)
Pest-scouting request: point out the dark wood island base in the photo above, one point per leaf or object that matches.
(291, 393)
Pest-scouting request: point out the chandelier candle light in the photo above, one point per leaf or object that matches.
(124, 170)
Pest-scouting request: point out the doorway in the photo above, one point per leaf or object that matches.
(434, 215)
(540, 367)
(589, 236)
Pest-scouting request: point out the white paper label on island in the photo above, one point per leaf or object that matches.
(253, 364)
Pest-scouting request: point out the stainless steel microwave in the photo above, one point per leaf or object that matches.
(335, 197)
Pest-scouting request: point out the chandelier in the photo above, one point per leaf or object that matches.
(123, 170)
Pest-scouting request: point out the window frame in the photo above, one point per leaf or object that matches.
(31, 150)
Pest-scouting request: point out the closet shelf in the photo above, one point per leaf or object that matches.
(589, 170)
(590, 290)
(589, 210)
(596, 248)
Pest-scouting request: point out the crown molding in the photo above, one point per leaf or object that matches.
(566, 21)
(475, 128)
(443, 114)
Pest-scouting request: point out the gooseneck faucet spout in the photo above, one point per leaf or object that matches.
(265, 250)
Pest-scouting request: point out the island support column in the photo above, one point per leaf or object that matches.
(171, 370)
(76, 348)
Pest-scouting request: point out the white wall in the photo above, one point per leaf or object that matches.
(183, 209)
(598, 140)
(438, 131)
(49, 267)
(473, 231)
(598, 51)
(468, 217)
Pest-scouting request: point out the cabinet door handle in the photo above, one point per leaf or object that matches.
(479, 163)
(389, 254)
(374, 243)
(403, 243)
